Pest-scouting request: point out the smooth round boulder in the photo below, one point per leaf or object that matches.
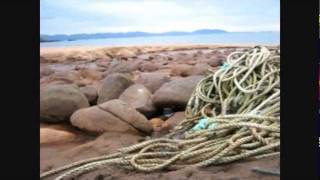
(176, 93)
(140, 98)
(128, 114)
(91, 93)
(153, 80)
(111, 116)
(113, 86)
(58, 102)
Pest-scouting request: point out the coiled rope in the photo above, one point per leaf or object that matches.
(233, 114)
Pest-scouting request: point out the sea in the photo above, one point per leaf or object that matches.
(247, 38)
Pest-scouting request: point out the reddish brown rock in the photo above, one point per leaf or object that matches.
(91, 93)
(181, 70)
(55, 136)
(58, 102)
(176, 93)
(140, 98)
(121, 110)
(214, 61)
(119, 67)
(90, 74)
(170, 123)
(113, 86)
(148, 67)
(153, 81)
(112, 116)
(200, 69)
(45, 71)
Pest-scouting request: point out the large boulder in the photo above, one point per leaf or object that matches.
(58, 102)
(114, 115)
(140, 98)
(176, 93)
(91, 93)
(153, 80)
(113, 86)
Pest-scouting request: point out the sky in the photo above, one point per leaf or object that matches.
(98, 16)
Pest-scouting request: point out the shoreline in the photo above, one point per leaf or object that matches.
(45, 50)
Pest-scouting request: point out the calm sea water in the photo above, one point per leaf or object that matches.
(257, 38)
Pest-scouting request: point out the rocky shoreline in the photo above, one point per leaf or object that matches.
(96, 100)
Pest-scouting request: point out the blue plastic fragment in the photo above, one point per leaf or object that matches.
(202, 124)
(224, 65)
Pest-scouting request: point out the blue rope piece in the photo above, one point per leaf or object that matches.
(225, 65)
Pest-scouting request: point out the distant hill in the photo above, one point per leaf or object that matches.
(73, 37)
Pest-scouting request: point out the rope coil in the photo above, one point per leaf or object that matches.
(240, 104)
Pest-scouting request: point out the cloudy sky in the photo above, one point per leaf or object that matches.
(92, 16)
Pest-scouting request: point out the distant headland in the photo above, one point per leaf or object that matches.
(73, 37)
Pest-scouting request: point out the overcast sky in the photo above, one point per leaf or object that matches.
(93, 16)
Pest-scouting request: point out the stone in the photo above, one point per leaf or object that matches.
(113, 86)
(176, 93)
(58, 102)
(200, 69)
(181, 70)
(45, 71)
(153, 80)
(120, 67)
(148, 67)
(91, 93)
(111, 116)
(55, 136)
(170, 123)
(140, 98)
(156, 124)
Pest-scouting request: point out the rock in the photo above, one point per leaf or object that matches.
(214, 61)
(181, 70)
(120, 67)
(90, 74)
(113, 86)
(156, 124)
(58, 102)
(148, 67)
(122, 110)
(200, 69)
(45, 71)
(91, 93)
(176, 93)
(111, 116)
(50, 136)
(140, 98)
(153, 81)
(170, 123)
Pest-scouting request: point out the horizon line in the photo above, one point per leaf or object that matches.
(41, 34)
